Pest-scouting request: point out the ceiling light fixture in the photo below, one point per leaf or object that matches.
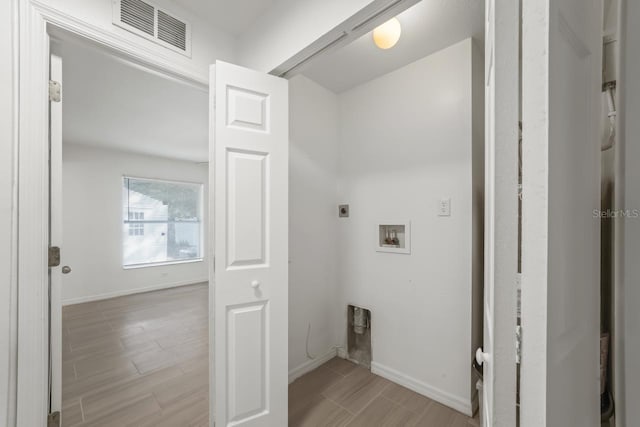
(387, 35)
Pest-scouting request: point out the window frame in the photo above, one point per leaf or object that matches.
(202, 222)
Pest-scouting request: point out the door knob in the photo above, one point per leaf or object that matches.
(482, 357)
(66, 269)
(255, 284)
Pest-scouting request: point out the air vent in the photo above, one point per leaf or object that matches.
(172, 30)
(146, 20)
(138, 15)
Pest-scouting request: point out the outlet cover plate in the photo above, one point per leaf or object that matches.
(444, 206)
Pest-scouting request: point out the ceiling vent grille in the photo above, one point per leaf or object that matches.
(146, 20)
(172, 30)
(138, 14)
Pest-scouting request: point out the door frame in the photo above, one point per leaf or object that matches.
(502, 69)
(540, 20)
(35, 21)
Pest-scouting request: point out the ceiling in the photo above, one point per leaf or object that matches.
(232, 16)
(427, 27)
(110, 103)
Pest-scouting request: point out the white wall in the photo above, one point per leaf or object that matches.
(629, 106)
(208, 42)
(92, 223)
(313, 222)
(7, 185)
(406, 140)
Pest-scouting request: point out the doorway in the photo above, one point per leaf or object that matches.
(377, 145)
(129, 305)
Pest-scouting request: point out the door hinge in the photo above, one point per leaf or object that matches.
(55, 88)
(518, 343)
(53, 420)
(54, 256)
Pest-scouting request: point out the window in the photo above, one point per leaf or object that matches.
(161, 222)
(136, 223)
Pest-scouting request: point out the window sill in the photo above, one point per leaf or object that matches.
(160, 264)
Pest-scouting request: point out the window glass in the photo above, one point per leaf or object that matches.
(161, 221)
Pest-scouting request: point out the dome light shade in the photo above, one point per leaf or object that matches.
(387, 35)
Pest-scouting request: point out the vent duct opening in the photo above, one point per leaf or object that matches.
(160, 26)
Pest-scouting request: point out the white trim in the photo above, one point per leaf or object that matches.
(210, 245)
(120, 44)
(312, 364)
(500, 211)
(114, 294)
(33, 218)
(11, 330)
(163, 263)
(460, 404)
(535, 212)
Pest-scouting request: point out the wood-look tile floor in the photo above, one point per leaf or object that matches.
(340, 393)
(137, 360)
(142, 360)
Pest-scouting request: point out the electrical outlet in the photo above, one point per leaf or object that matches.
(444, 206)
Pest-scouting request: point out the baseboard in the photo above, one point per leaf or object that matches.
(447, 399)
(342, 353)
(125, 292)
(310, 365)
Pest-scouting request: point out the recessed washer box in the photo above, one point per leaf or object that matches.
(393, 237)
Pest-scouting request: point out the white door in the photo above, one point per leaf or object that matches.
(249, 149)
(55, 239)
(501, 212)
(562, 80)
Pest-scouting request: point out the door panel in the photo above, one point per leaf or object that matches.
(247, 360)
(246, 208)
(501, 212)
(250, 297)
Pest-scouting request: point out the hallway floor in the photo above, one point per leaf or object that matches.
(142, 360)
(340, 393)
(139, 360)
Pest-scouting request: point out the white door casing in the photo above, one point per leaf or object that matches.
(561, 84)
(28, 389)
(501, 212)
(249, 154)
(55, 236)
